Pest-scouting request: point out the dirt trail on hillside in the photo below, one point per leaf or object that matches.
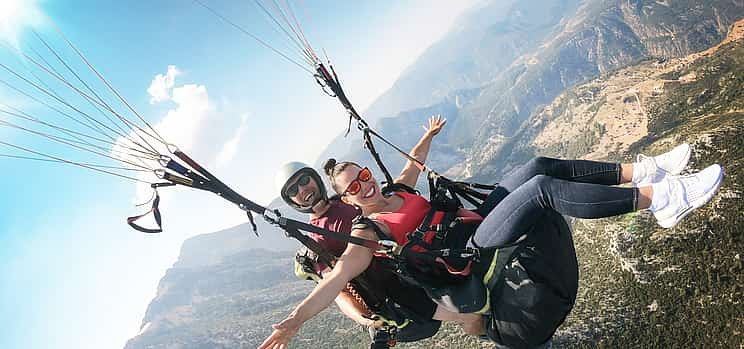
(612, 110)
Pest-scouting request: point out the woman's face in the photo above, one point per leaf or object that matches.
(369, 191)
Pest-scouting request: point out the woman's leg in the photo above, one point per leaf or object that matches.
(584, 171)
(646, 171)
(515, 214)
(574, 170)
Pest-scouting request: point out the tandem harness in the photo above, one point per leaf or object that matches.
(456, 276)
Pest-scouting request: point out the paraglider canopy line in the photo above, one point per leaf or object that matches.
(302, 47)
(91, 122)
(281, 11)
(74, 134)
(54, 52)
(37, 100)
(68, 142)
(262, 42)
(114, 91)
(80, 164)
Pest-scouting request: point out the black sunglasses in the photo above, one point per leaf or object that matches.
(293, 189)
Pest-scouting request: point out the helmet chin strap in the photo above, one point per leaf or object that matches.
(320, 203)
(320, 206)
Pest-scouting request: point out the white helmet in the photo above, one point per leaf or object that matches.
(290, 171)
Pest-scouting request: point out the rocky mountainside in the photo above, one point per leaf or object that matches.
(210, 249)
(482, 43)
(230, 304)
(641, 286)
(554, 45)
(601, 38)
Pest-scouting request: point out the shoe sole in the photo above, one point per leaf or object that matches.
(670, 222)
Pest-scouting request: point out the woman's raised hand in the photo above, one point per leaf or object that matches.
(435, 125)
(283, 333)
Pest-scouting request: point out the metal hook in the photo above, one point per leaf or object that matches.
(160, 173)
(172, 148)
(164, 160)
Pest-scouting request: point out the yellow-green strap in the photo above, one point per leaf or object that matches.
(386, 321)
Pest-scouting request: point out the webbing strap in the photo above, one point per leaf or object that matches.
(417, 236)
(375, 155)
(286, 223)
(200, 178)
(216, 186)
(155, 212)
(329, 78)
(362, 222)
(398, 187)
(323, 255)
(439, 202)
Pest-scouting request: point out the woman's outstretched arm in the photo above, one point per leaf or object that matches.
(352, 263)
(409, 174)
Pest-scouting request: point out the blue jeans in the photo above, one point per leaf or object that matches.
(576, 188)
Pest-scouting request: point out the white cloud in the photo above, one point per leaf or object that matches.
(196, 126)
(182, 125)
(230, 148)
(161, 85)
(16, 15)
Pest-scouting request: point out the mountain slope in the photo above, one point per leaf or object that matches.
(555, 50)
(643, 286)
(603, 36)
(231, 304)
(482, 43)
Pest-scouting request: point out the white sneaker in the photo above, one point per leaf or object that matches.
(686, 193)
(648, 170)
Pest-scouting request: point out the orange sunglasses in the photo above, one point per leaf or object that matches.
(355, 186)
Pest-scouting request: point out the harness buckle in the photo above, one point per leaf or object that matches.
(273, 217)
(471, 253)
(417, 234)
(389, 247)
(441, 232)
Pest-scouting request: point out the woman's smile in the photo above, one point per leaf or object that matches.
(371, 192)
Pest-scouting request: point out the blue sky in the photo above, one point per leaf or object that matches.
(73, 274)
